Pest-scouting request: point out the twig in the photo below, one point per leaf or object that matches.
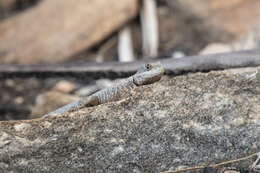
(125, 45)
(149, 23)
(213, 165)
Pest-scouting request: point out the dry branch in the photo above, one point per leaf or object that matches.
(250, 58)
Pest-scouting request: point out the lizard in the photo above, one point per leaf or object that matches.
(146, 74)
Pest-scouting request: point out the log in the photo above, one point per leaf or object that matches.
(54, 30)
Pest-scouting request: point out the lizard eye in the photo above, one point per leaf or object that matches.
(148, 66)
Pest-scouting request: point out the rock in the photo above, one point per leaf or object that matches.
(178, 54)
(105, 83)
(87, 90)
(49, 101)
(53, 31)
(186, 33)
(189, 120)
(11, 7)
(65, 86)
(231, 171)
(216, 48)
(19, 100)
(91, 89)
(6, 6)
(250, 40)
(234, 16)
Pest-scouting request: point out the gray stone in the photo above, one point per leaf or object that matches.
(182, 121)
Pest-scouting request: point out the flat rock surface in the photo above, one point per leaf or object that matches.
(189, 120)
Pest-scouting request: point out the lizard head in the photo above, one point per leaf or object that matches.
(148, 73)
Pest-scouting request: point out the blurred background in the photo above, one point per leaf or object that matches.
(69, 31)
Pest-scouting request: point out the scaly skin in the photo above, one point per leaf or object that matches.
(147, 74)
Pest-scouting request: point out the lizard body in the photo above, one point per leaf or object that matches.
(147, 74)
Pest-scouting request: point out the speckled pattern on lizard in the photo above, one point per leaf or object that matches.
(146, 74)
